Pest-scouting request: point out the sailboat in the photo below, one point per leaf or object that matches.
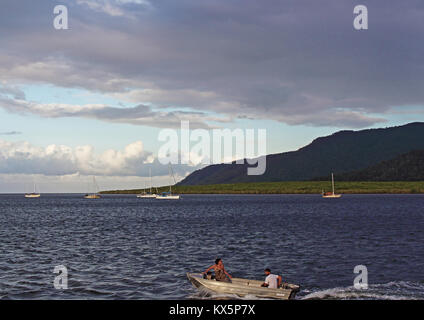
(94, 195)
(148, 195)
(34, 194)
(331, 194)
(169, 195)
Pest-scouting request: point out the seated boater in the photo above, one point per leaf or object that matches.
(220, 273)
(272, 281)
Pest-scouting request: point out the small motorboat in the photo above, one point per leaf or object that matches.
(242, 287)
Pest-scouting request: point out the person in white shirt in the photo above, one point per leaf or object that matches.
(272, 281)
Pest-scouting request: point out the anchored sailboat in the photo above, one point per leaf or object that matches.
(94, 195)
(169, 195)
(34, 194)
(331, 194)
(148, 195)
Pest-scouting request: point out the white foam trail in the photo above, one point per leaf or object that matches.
(395, 290)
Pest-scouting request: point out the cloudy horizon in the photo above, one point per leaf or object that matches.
(91, 100)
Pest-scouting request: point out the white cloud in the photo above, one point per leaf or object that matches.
(60, 168)
(22, 157)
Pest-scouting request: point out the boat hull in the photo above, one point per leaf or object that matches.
(168, 197)
(32, 196)
(333, 196)
(92, 196)
(243, 287)
(147, 196)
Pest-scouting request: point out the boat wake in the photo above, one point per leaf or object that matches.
(395, 290)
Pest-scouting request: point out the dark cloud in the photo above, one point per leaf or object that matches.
(298, 62)
(138, 115)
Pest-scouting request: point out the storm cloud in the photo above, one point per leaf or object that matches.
(296, 62)
(138, 115)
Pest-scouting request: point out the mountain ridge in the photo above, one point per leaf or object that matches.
(341, 152)
(406, 167)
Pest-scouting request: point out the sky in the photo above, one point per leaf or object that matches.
(93, 99)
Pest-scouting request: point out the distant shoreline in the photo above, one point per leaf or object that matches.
(293, 187)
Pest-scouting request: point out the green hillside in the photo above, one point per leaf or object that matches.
(406, 167)
(341, 152)
(293, 187)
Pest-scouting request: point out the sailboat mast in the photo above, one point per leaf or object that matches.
(150, 174)
(96, 187)
(173, 177)
(169, 171)
(332, 181)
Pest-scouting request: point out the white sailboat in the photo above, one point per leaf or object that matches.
(331, 194)
(34, 194)
(169, 195)
(148, 195)
(94, 195)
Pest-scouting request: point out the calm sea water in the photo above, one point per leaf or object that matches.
(121, 247)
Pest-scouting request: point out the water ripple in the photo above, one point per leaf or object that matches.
(121, 247)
